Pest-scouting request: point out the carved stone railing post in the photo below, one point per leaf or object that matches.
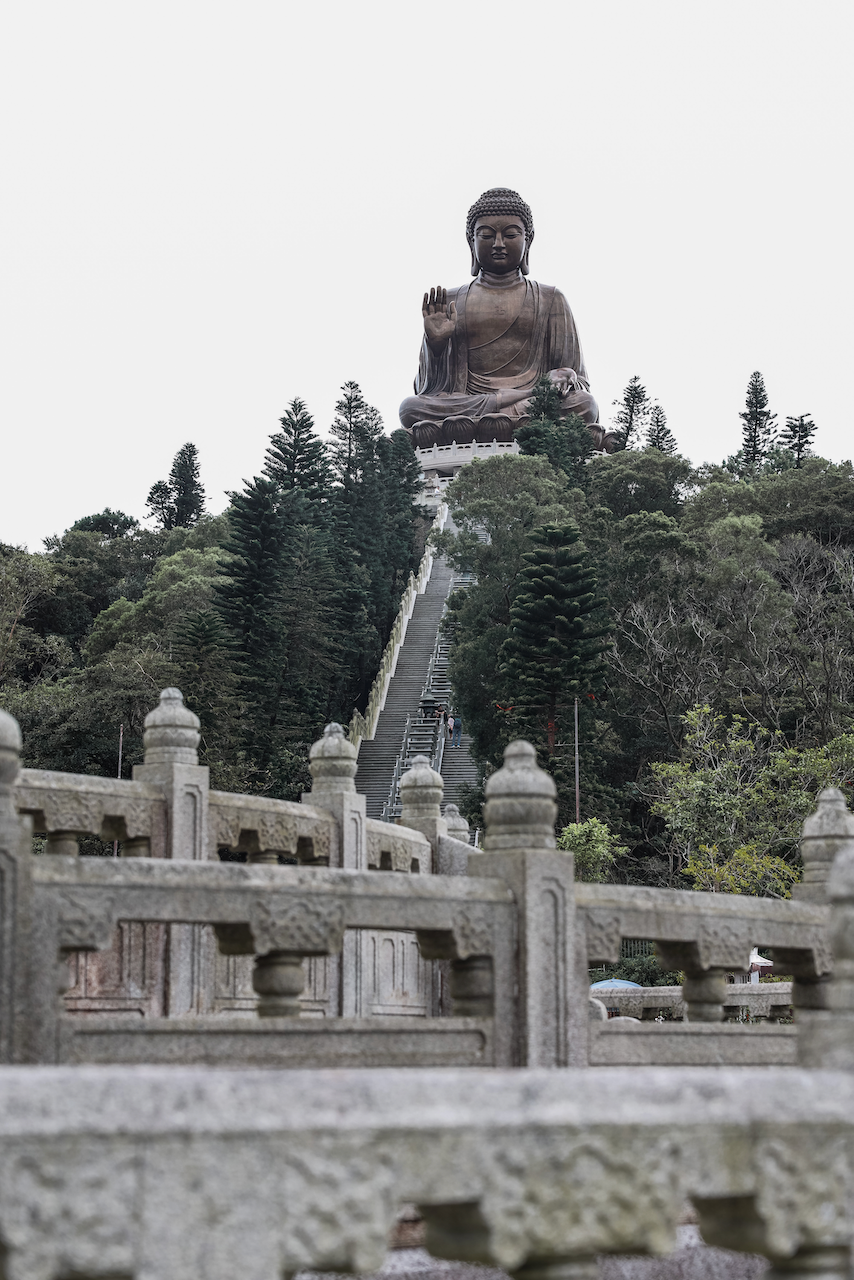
(16, 835)
(826, 1030)
(171, 741)
(171, 762)
(421, 791)
(826, 832)
(519, 847)
(333, 761)
(456, 824)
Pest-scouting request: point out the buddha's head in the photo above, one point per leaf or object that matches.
(499, 229)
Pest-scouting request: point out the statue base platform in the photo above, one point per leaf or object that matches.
(441, 462)
(462, 429)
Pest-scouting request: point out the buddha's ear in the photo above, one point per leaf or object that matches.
(475, 265)
(523, 265)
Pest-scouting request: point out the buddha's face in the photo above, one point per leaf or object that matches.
(499, 244)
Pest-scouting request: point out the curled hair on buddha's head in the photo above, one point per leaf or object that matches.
(500, 202)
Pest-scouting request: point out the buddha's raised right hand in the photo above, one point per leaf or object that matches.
(440, 319)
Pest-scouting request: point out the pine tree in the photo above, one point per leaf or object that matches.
(377, 479)
(355, 431)
(566, 442)
(249, 600)
(297, 457)
(186, 487)
(179, 502)
(658, 434)
(553, 650)
(798, 435)
(204, 654)
(632, 414)
(545, 401)
(160, 504)
(398, 478)
(758, 432)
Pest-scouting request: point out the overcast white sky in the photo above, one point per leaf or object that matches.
(210, 208)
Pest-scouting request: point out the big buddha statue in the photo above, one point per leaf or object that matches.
(487, 343)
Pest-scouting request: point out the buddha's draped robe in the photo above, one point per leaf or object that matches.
(470, 392)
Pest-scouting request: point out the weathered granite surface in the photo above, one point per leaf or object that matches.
(174, 1173)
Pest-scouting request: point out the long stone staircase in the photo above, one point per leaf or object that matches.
(379, 755)
(457, 767)
(405, 728)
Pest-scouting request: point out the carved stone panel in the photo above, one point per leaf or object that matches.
(86, 922)
(127, 977)
(396, 980)
(603, 937)
(308, 925)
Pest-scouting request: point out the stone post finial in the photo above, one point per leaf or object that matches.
(457, 825)
(421, 791)
(333, 761)
(10, 754)
(825, 833)
(171, 731)
(521, 808)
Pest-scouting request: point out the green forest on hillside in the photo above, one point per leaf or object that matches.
(709, 615)
(703, 617)
(271, 618)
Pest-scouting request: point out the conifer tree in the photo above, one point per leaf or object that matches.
(297, 457)
(658, 434)
(758, 432)
(355, 431)
(186, 487)
(377, 478)
(545, 401)
(798, 435)
(249, 599)
(179, 502)
(399, 475)
(160, 505)
(632, 414)
(204, 653)
(566, 442)
(552, 652)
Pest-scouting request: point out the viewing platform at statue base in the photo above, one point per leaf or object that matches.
(441, 462)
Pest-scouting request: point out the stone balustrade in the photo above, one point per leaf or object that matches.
(761, 1002)
(172, 1172)
(271, 961)
(182, 1174)
(707, 935)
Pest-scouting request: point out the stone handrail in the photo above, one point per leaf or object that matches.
(176, 1173)
(708, 935)
(265, 828)
(364, 725)
(279, 915)
(65, 806)
(182, 1174)
(763, 1001)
